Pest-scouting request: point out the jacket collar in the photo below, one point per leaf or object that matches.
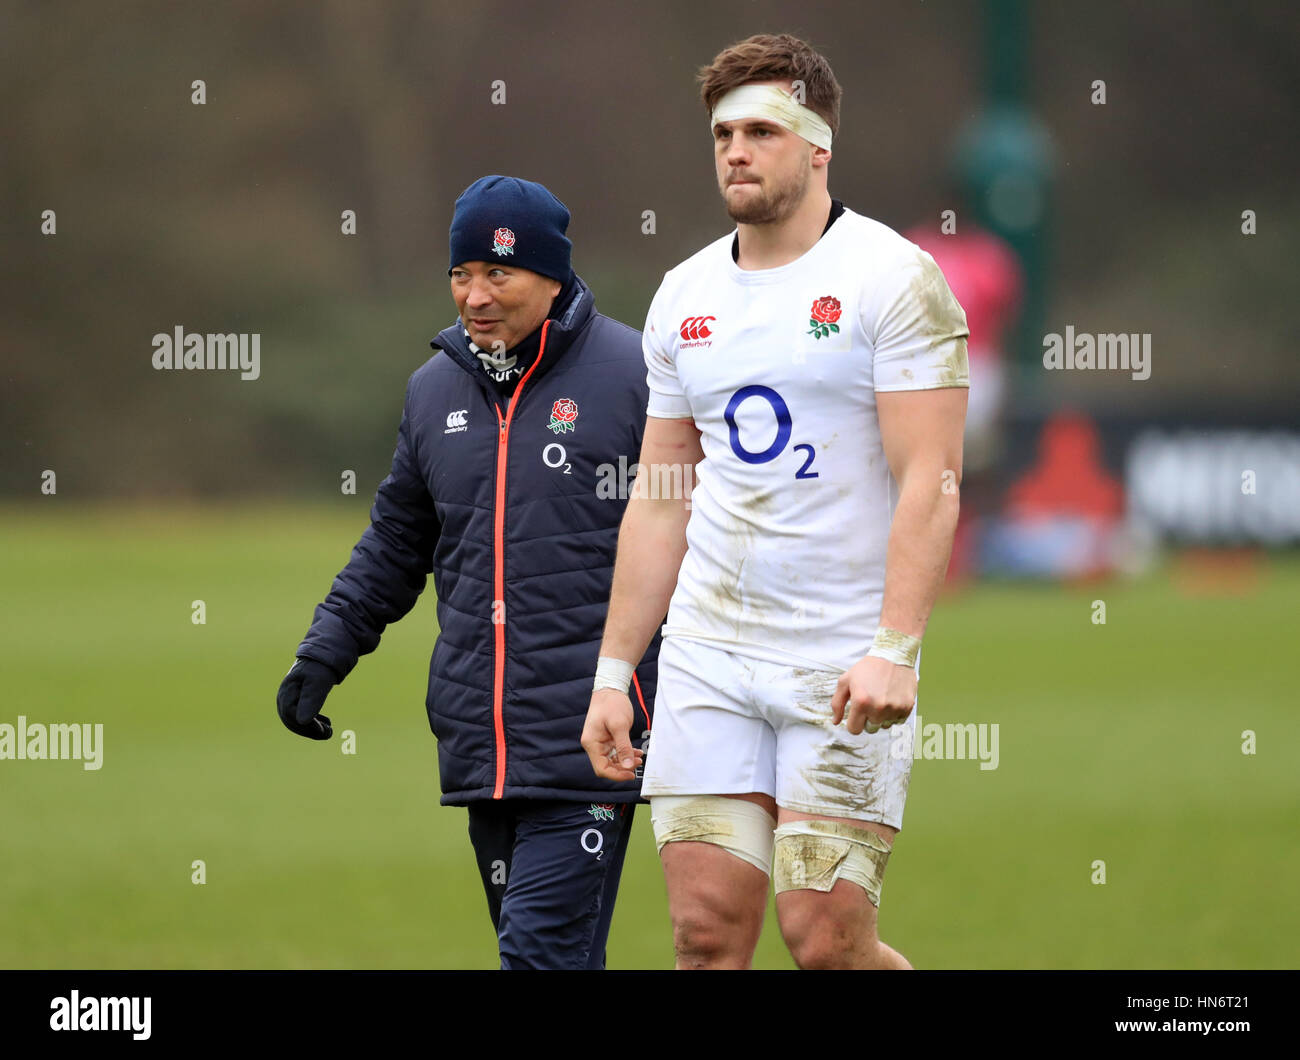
(565, 327)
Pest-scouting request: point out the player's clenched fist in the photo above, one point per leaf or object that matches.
(606, 737)
(877, 694)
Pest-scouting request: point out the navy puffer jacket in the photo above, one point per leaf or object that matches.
(513, 503)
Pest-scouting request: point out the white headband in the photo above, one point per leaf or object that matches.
(770, 103)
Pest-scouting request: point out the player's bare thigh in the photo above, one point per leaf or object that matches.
(717, 900)
(839, 927)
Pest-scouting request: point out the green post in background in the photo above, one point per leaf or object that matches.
(1003, 161)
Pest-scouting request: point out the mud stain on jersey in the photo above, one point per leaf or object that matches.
(760, 503)
(954, 370)
(725, 597)
(722, 596)
(944, 322)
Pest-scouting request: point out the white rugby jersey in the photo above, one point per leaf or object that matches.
(779, 368)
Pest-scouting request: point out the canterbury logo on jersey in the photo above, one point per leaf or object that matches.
(696, 329)
(456, 421)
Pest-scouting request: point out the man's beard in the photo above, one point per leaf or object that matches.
(771, 207)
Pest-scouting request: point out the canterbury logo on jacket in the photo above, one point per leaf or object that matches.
(496, 495)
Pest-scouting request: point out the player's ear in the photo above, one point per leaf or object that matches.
(821, 156)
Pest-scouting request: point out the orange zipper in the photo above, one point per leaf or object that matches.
(499, 572)
(641, 699)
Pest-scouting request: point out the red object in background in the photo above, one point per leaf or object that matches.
(985, 277)
(1069, 477)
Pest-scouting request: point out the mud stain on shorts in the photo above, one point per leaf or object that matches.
(813, 690)
(848, 776)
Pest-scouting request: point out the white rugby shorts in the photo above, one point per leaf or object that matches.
(726, 724)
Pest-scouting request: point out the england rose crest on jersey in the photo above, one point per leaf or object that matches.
(564, 413)
(823, 316)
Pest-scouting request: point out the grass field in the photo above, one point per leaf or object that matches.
(1119, 743)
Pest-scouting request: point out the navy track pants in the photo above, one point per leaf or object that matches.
(550, 870)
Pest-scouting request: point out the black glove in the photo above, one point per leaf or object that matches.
(301, 695)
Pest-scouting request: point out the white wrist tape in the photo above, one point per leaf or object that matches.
(900, 648)
(613, 673)
(770, 103)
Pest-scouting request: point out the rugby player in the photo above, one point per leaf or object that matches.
(811, 366)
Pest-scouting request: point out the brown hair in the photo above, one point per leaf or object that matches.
(774, 57)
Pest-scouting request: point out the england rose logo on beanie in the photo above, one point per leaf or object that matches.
(503, 241)
(822, 316)
(563, 413)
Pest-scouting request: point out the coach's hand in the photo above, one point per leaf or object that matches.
(301, 695)
(606, 736)
(877, 693)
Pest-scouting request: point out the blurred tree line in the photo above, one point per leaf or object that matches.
(226, 216)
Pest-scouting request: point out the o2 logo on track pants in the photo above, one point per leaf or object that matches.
(593, 839)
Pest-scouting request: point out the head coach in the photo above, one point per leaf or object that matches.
(493, 490)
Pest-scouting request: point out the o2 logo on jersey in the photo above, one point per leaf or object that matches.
(784, 428)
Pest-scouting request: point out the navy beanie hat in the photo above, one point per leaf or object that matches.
(514, 222)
